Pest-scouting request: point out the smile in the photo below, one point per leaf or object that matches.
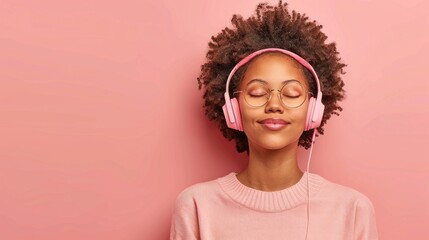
(273, 124)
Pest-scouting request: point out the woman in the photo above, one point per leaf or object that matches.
(262, 89)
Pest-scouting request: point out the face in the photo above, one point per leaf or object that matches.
(273, 126)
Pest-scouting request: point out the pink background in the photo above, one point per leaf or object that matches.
(101, 121)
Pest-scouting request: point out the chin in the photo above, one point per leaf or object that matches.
(273, 140)
(274, 143)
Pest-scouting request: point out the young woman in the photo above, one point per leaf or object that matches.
(270, 83)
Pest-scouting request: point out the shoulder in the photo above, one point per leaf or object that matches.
(343, 192)
(341, 195)
(185, 216)
(350, 200)
(353, 203)
(197, 192)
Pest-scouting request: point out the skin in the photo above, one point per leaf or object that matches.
(272, 164)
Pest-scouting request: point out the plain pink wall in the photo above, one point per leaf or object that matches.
(101, 121)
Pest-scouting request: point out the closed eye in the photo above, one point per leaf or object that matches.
(291, 93)
(257, 93)
(261, 94)
(292, 96)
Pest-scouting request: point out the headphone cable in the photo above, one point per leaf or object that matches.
(308, 187)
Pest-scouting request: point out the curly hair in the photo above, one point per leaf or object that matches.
(270, 27)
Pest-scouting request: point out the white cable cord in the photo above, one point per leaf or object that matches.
(308, 187)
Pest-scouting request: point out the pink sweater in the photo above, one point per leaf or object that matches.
(225, 209)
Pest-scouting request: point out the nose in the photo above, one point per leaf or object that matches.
(274, 103)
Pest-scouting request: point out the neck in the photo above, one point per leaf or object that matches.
(271, 170)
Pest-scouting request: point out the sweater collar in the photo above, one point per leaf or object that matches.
(271, 201)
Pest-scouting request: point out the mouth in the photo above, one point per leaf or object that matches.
(273, 123)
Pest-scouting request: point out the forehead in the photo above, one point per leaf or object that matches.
(274, 68)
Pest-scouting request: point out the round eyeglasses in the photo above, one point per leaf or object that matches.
(292, 94)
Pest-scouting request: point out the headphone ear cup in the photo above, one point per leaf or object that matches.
(237, 114)
(234, 121)
(315, 108)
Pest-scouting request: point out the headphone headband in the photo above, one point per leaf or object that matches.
(295, 56)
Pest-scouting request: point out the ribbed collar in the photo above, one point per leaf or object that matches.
(271, 201)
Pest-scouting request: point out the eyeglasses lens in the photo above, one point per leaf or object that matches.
(292, 94)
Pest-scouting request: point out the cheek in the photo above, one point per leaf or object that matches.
(301, 113)
(244, 112)
(248, 115)
(303, 110)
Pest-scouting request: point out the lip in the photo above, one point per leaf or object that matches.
(273, 123)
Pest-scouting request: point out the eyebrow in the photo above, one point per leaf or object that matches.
(263, 81)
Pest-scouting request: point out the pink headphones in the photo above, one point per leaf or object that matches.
(315, 107)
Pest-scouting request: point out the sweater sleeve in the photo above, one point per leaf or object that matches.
(184, 224)
(365, 227)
